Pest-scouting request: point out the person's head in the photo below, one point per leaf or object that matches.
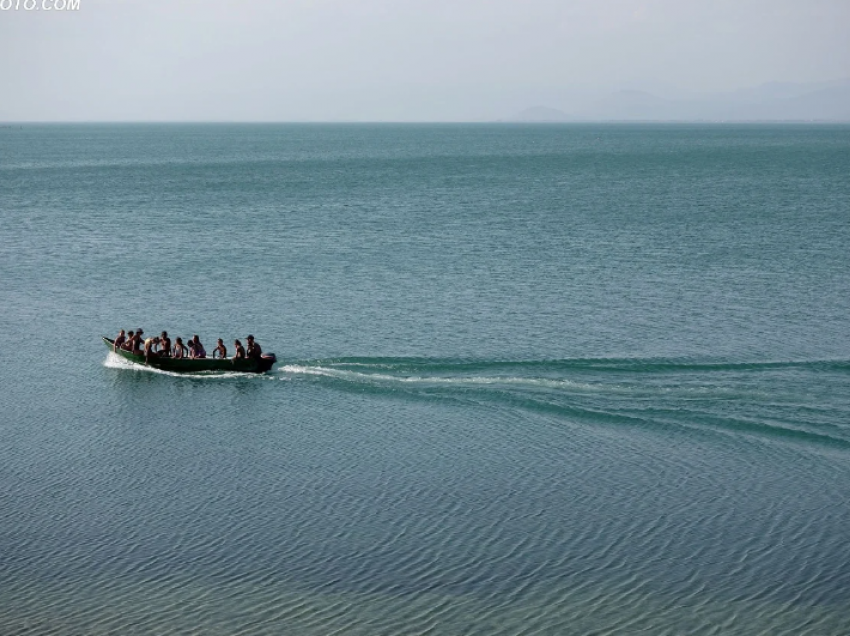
(163, 335)
(131, 334)
(250, 339)
(237, 343)
(179, 340)
(139, 332)
(195, 338)
(121, 333)
(220, 341)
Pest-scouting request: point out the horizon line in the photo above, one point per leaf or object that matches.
(11, 123)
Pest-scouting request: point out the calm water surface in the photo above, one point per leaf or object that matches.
(533, 380)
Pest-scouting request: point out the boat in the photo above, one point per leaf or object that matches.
(197, 365)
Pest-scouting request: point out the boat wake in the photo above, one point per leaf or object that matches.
(603, 375)
(755, 398)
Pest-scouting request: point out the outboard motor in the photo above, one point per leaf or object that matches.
(266, 362)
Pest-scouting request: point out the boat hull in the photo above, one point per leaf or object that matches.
(197, 365)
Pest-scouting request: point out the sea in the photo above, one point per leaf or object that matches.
(532, 379)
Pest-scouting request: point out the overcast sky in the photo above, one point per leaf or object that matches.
(316, 60)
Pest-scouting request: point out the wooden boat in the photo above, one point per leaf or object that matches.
(197, 365)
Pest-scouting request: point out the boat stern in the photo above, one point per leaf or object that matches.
(266, 362)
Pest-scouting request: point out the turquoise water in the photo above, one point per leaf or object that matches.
(533, 380)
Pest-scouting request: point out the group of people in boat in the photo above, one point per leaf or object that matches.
(135, 342)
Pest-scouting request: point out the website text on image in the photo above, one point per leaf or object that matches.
(39, 5)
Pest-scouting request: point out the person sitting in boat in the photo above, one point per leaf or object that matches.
(220, 349)
(196, 349)
(136, 343)
(127, 345)
(150, 343)
(179, 349)
(119, 341)
(240, 350)
(164, 345)
(254, 349)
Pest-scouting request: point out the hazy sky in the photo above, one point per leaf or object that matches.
(296, 60)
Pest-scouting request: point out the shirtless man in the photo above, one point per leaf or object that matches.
(240, 350)
(164, 345)
(150, 343)
(179, 349)
(119, 341)
(127, 345)
(254, 349)
(220, 349)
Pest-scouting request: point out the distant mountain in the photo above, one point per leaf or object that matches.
(824, 101)
(828, 103)
(632, 104)
(540, 114)
(786, 90)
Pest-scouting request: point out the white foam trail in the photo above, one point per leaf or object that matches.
(114, 361)
(355, 376)
(555, 384)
